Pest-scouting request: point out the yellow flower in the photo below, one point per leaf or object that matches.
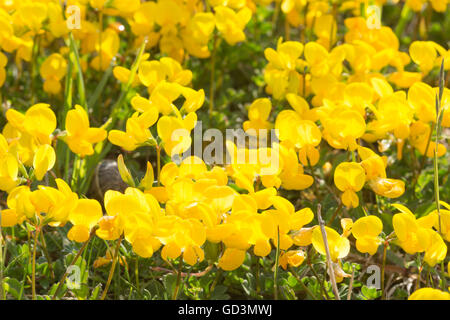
(366, 231)
(80, 136)
(133, 214)
(44, 160)
(231, 259)
(258, 113)
(19, 200)
(197, 34)
(53, 70)
(342, 127)
(3, 62)
(349, 177)
(32, 15)
(292, 257)
(436, 250)
(416, 235)
(429, 294)
(321, 62)
(390, 188)
(9, 168)
(444, 226)
(9, 218)
(419, 137)
(280, 74)
(84, 217)
(137, 131)
(231, 23)
(39, 121)
(422, 98)
(424, 54)
(176, 133)
(107, 49)
(303, 134)
(339, 245)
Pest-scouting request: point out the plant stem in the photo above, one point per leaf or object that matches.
(404, 18)
(177, 287)
(34, 51)
(350, 287)
(383, 293)
(327, 249)
(212, 87)
(113, 267)
(275, 16)
(436, 167)
(136, 273)
(302, 284)
(323, 290)
(80, 252)
(216, 280)
(422, 162)
(275, 276)
(81, 87)
(335, 213)
(123, 94)
(257, 272)
(2, 289)
(158, 163)
(47, 255)
(33, 266)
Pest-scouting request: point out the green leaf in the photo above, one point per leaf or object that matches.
(12, 286)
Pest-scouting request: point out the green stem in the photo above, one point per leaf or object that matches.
(35, 50)
(302, 284)
(257, 272)
(177, 287)
(47, 255)
(212, 87)
(277, 257)
(80, 252)
(136, 273)
(327, 250)
(443, 276)
(2, 289)
(158, 163)
(33, 266)
(113, 267)
(275, 16)
(81, 87)
(123, 94)
(405, 16)
(383, 293)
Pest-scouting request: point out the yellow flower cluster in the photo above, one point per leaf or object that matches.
(324, 95)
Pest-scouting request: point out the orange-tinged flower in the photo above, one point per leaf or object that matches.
(292, 257)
